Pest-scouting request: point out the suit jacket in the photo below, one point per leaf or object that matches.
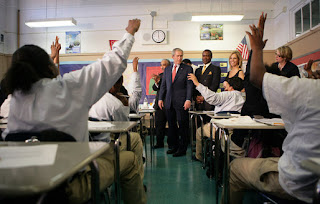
(157, 89)
(174, 94)
(211, 79)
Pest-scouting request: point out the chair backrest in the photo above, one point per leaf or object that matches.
(46, 136)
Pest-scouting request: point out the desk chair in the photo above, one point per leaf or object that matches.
(45, 136)
(52, 135)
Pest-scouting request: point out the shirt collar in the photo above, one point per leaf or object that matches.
(207, 65)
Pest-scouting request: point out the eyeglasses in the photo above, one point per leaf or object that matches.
(278, 55)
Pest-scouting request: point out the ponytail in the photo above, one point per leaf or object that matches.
(20, 76)
(29, 64)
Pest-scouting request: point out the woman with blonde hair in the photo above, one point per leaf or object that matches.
(235, 62)
(283, 57)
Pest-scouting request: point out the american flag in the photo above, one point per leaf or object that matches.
(243, 48)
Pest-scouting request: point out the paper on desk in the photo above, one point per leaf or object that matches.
(209, 112)
(24, 156)
(240, 120)
(99, 125)
(270, 121)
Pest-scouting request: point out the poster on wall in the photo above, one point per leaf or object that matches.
(73, 42)
(111, 42)
(211, 32)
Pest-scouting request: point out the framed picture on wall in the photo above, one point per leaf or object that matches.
(73, 42)
(211, 32)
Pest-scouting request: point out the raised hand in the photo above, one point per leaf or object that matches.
(156, 78)
(257, 45)
(133, 26)
(135, 64)
(193, 78)
(307, 67)
(258, 30)
(57, 44)
(53, 51)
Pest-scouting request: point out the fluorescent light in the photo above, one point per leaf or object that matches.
(53, 22)
(217, 18)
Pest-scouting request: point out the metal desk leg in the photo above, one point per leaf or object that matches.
(210, 151)
(144, 140)
(95, 185)
(151, 134)
(117, 171)
(192, 133)
(217, 160)
(226, 167)
(202, 137)
(128, 141)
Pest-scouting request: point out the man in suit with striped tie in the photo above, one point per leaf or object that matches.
(176, 90)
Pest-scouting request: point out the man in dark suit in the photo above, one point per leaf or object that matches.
(161, 118)
(209, 75)
(176, 90)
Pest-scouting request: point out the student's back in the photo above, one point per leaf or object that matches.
(55, 102)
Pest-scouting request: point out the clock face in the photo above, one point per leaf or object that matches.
(158, 36)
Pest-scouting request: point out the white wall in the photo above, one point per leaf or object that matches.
(100, 23)
(284, 20)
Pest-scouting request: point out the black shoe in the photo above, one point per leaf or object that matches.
(158, 146)
(194, 158)
(179, 154)
(171, 151)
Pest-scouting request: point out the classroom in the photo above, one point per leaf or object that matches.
(145, 101)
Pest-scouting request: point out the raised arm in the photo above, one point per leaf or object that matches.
(257, 45)
(58, 48)
(135, 90)
(93, 81)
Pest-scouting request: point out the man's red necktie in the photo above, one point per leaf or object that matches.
(174, 72)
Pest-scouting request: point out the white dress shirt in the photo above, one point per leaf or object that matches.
(5, 107)
(297, 100)
(223, 101)
(135, 92)
(111, 108)
(63, 103)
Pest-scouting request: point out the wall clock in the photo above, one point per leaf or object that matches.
(158, 36)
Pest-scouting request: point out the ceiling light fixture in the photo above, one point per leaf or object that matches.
(53, 22)
(217, 18)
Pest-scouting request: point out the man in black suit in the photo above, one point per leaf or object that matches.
(161, 118)
(209, 75)
(176, 90)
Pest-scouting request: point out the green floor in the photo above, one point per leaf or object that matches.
(172, 180)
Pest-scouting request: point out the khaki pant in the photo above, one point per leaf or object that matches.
(259, 174)
(136, 148)
(206, 133)
(79, 188)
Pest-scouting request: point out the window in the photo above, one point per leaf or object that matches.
(315, 12)
(298, 23)
(307, 17)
